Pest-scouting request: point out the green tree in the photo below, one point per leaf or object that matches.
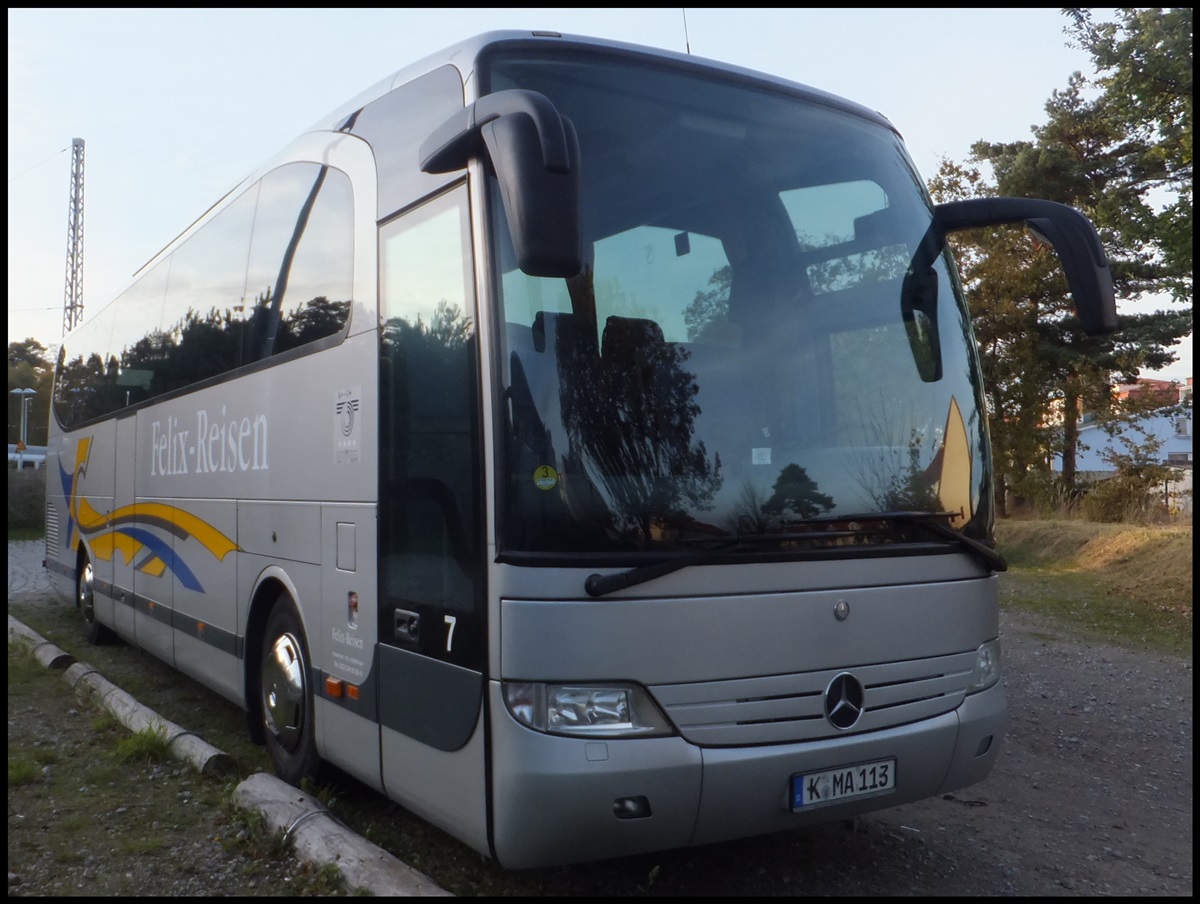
(29, 367)
(1038, 363)
(29, 351)
(1144, 61)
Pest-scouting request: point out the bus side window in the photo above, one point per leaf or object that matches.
(299, 279)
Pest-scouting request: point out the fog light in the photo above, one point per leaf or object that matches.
(631, 808)
(984, 746)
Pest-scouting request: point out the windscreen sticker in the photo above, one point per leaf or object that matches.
(954, 479)
(545, 478)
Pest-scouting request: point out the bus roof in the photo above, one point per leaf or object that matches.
(464, 54)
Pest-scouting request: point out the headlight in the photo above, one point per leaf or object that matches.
(987, 667)
(586, 710)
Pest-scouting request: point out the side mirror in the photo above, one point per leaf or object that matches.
(535, 153)
(1068, 231)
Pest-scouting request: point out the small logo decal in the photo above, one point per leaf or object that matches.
(347, 408)
(346, 431)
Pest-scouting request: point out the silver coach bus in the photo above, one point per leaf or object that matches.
(582, 444)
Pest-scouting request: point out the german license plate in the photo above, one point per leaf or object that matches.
(814, 788)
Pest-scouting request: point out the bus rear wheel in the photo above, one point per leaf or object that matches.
(85, 600)
(286, 696)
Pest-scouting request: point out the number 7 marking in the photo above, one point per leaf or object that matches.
(451, 621)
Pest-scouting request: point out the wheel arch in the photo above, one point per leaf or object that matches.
(272, 584)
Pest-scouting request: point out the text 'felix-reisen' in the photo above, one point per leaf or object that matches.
(218, 445)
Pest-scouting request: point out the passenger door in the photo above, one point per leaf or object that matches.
(431, 636)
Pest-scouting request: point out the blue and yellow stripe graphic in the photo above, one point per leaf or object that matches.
(136, 531)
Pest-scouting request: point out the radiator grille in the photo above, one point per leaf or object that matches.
(776, 709)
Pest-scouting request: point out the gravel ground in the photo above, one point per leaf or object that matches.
(1092, 795)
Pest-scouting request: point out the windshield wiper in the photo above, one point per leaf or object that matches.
(989, 556)
(934, 522)
(602, 584)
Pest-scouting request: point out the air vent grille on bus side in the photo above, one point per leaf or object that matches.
(51, 530)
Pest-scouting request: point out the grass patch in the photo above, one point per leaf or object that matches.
(106, 770)
(82, 788)
(1126, 585)
(75, 822)
(146, 746)
(24, 671)
(325, 792)
(141, 845)
(22, 771)
(328, 879)
(167, 691)
(103, 721)
(66, 855)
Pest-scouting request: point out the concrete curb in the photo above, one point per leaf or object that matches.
(87, 682)
(183, 744)
(43, 650)
(319, 838)
(316, 835)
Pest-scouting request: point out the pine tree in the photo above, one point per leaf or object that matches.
(1039, 365)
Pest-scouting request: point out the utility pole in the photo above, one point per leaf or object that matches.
(73, 299)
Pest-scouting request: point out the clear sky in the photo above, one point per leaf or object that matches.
(176, 106)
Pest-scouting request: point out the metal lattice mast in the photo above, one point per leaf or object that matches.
(73, 299)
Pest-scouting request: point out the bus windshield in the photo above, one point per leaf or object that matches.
(755, 341)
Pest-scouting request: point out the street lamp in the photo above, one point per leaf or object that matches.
(25, 395)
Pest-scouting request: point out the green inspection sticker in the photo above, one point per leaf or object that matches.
(545, 478)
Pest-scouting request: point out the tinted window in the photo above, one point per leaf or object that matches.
(271, 272)
(300, 275)
(429, 460)
(397, 123)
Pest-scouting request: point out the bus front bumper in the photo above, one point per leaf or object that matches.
(562, 800)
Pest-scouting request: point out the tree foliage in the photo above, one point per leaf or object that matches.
(1144, 61)
(29, 367)
(1105, 151)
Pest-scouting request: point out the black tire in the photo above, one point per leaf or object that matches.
(285, 695)
(85, 601)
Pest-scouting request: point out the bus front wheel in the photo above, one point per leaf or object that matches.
(286, 697)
